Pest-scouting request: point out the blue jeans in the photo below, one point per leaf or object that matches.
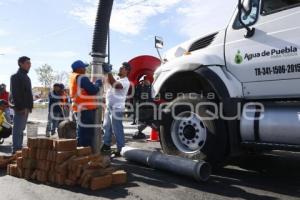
(85, 131)
(7, 115)
(20, 121)
(113, 123)
(52, 124)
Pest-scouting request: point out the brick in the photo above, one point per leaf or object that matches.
(51, 156)
(62, 168)
(84, 160)
(84, 151)
(14, 170)
(8, 170)
(78, 171)
(62, 156)
(72, 176)
(101, 182)
(45, 143)
(43, 165)
(32, 143)
(51, 176)
(21, 172)
(42, 176)
(60, 179)
(65, 145)
(29, 163)
(18, 154)
(42, 154)
(39, 164)
(86, 182)
(96, 173)
(28, 173)
(20, 162)
(34, 175)
(32, 153)
(99, 164)
(69, 182)
(119, 177)
(53, 166)
(25, 152)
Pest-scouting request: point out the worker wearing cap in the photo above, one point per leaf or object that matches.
(115, 106)
(84, 102)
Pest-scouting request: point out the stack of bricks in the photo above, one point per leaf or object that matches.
(61, 162)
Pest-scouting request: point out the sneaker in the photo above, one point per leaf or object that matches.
(105, 148)
(139, 136)
(116, 154)
(133, 123)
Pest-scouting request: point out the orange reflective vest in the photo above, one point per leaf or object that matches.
(81, 100)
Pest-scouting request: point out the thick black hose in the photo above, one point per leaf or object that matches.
(102, 27)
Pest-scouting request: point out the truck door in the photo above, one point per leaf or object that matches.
(268, 63)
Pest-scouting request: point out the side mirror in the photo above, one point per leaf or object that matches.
(245, 9)
(159, 42)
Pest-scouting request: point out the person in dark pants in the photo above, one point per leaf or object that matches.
(142, 95)
(55, 109)
(84, 102)
(21, 100)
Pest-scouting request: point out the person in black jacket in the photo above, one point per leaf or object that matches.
(55, 109)
(21, 100)
(142, 95)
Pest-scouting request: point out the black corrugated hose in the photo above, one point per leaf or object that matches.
(102, 27)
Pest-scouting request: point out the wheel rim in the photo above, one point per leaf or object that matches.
(188, 132)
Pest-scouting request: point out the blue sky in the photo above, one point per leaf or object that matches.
(57, 32)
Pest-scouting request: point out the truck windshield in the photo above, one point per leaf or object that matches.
(272, 6)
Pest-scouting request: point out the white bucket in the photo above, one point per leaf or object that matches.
(32, 130)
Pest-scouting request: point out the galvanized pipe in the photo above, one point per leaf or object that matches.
(198, 170)
(99, 55)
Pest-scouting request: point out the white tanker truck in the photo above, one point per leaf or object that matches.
(235, 89)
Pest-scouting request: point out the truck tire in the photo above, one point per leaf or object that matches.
(189, 133)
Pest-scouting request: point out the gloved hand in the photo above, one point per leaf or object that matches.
(99, 83)
(107, 68)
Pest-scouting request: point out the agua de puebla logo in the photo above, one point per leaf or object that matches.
(273, 53)
(238, 58)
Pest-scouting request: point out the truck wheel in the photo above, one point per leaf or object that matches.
(187, 130)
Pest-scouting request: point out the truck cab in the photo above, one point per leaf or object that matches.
(234, 89)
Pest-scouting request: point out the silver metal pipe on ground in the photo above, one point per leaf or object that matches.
(199, 170)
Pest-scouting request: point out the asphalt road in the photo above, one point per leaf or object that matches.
(270, 176)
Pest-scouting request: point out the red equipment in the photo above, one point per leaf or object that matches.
(143, 65)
